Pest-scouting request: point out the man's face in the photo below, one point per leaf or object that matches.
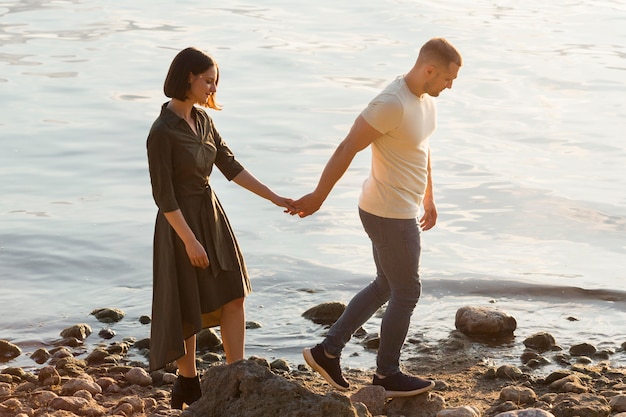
(441, 78)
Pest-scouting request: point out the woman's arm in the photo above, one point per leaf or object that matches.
(248, 181)
(195, 250)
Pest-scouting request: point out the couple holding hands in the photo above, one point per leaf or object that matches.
(199, 274)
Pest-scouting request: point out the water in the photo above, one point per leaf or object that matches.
(528, 160)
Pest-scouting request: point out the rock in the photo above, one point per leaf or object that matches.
(108, 315)
(43, 398)
(280, 365)
(528, 412)
(8, 351)
(484, 321)
(78, 331)
(145, 320)
(72, 404)
(509, 372)
(427, 404)
(587, 405)
(253, 325)
(142, 344)
(373, 396)
(97, 356)
(77, 384)
(49, 376)
(260, 361)
(211, 357)
(540, 341)
(618, 403)
(371, 341)
(40, 356)
(520, 395)
(465, 411)
(207, 339)
(245, 389)
(582, 349)
(106, 334)
(570, 383)
(325, 313)
(5, 389)
(138, 376)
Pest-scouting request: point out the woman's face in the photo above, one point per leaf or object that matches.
(203, 85)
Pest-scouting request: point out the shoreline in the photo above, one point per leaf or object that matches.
(108, 381)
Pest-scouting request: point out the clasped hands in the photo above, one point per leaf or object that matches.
(305, 206)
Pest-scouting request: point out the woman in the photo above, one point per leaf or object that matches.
(199, 278)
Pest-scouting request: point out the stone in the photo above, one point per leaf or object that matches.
(145, 320)
(325, 313)
(570, 383)
(373, 396)
(78, 331)
(107, 333)
(427, 404)
(520, 395)
(541, 341)
(49, 376)
(76, 384)
(246, 389)
(138, 376)
(40, 356)
(484, 321)
(587, 405)
(108, 315)
(509, 372)
(208, 340)
(527, 412)
(465, 411)
(582, 349)
(8, 351)
(618, 403)
(279, 365)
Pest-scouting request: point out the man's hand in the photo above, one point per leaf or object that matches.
(429, 219)
(307, 205)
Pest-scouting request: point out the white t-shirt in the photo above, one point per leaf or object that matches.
(398, 177)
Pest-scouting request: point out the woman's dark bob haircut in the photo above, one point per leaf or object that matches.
(189, 61)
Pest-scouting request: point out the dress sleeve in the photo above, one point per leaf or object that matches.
(160, 167)
(225, 159)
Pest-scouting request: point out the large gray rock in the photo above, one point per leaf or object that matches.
(246, 389)
(484, 321)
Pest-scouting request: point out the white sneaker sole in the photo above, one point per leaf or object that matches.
(308, 357)
(396, 394)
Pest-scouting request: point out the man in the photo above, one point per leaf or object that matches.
(397, 124)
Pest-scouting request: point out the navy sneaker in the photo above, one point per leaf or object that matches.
(327, 367)
(402, 385)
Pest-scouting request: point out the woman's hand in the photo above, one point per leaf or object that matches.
(286, 203)
(197, 254)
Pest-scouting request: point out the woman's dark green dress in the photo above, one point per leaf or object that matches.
(186, 299)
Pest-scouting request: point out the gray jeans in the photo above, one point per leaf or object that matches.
(396, 247)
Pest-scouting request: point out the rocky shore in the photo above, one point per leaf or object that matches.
(68, 381)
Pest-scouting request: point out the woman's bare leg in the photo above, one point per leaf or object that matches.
(233, 329)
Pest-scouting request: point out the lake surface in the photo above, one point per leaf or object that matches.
(529, 161)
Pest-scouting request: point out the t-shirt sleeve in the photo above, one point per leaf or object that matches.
(160, 167)
(225, 159)
(384, 113)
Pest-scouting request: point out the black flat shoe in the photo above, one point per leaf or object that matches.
(185, 391)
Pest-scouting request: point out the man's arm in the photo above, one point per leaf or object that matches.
(429, 218)
(361, 135)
